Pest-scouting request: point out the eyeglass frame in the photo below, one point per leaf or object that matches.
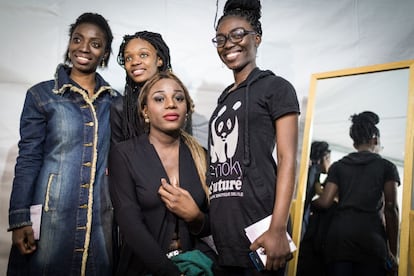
(229, 37)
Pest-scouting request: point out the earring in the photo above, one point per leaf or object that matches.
(146, 119)
(103, 63)
(68, 61)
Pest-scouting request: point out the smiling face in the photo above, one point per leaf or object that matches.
(141, 60)
(87, 48)
(239, 56)
(166, 106)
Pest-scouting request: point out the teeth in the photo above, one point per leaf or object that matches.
(138, 72)
(232, 55)
(83, 58)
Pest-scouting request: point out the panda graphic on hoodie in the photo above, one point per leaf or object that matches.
(225, 145)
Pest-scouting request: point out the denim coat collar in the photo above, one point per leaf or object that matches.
(64, 83)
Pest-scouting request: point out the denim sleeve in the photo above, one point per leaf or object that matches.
(29, 161)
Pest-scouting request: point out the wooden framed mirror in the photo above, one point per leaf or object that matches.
(386, 89)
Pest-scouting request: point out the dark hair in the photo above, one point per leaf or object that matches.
(250, 10)
(363, 127)
(155, 39)
(318, 150)
(130, 124)
(99, 21)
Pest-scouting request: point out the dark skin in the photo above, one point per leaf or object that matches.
(167, 97)
(241, 59)
(86, 51)
(326, 199)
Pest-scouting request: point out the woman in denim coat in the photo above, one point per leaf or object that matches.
(61, 165)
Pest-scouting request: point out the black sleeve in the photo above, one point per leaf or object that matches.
(129, 216)
(116, 121)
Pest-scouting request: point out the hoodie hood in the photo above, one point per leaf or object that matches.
(254, 76)
(360, 158)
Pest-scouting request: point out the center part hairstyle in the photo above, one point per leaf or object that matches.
(131, 126)
(363, 127)
(250, 10)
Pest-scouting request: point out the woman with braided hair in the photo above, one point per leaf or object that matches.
(142, 55)
(363, 233)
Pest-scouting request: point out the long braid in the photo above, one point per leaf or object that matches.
(199, 156)
(131, 125)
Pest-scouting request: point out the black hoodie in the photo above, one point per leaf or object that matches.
(360, 177)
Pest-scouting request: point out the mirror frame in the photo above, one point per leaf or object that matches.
(406, 258)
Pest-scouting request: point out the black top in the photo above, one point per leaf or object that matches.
(357, 231)
(146, 225)
(242, 174)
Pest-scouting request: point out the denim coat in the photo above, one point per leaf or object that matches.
(65, 137)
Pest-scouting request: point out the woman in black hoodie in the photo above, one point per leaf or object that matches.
(359, 241)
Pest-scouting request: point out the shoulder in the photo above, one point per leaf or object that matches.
(132, 146)
(388, 164)
(271, 85)
(44, 85)
(41, 91)
(269, 77)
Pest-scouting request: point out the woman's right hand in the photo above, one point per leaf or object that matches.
(178, 200)
(23, 239)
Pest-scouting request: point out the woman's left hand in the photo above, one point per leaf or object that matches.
(178, 200)
(276, 247)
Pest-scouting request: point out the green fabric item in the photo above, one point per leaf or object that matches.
(194, 263)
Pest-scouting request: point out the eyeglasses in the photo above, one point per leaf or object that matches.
(235, 36)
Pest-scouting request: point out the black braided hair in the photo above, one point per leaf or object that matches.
(99, 21)
(131, 125)
(363, 127)
(250, 10)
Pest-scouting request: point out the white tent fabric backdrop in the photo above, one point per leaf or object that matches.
(301, 37)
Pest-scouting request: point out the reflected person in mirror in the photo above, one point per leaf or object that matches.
(362, 238)
(315, 222)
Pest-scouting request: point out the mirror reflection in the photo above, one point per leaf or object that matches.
(334, 97)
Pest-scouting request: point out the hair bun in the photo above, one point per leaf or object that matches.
(370, 117)
(252, 6)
